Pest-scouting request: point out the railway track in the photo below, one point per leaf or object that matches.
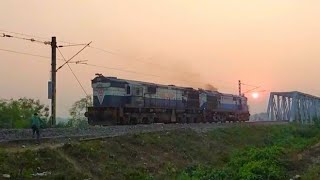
(22, 135)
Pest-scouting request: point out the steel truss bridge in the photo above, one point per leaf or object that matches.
(293, 106)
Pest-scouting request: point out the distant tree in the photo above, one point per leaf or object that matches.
(77, 112)
(17, 113)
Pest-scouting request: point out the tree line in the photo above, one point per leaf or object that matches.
(17, 113)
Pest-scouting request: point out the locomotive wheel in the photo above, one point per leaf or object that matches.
(121, 121)
(133, 120)
(156, 120)
(145, 120)
(184, 120)
(178, 119)
(190, 120)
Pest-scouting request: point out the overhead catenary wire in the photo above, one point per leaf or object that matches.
(27, 39)
(146, 74)
(81, 62)
(251, 90)
(249, 85)
(24, 53)
(85, 92)
(135, 59)
(29, 35)
(119, 69)
(23, 34)
(40, 56)
(75, 44)
(84, 62)
(120, 55)
(74, 55)
(61, 46)
(97, 48)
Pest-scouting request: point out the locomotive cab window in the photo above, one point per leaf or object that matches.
(128, 90)
(152, 90)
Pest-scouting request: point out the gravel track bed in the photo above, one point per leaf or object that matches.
(7, 135)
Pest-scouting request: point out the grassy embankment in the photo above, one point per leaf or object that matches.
(244, 152)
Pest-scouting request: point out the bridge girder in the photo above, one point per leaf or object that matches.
(293, 106)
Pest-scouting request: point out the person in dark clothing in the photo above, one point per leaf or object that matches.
(35, 125)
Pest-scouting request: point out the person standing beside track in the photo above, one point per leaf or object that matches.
(36, 126)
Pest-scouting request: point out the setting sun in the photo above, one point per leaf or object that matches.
(255, 95)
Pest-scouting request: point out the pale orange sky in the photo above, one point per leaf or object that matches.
(270, 43)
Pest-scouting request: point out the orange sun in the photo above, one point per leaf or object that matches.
(255, 95)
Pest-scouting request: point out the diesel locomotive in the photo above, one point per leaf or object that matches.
(120, 101)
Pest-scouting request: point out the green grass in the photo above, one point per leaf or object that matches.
(24, 164)
(244, 152)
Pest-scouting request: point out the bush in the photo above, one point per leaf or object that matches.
(250, 163)
(204, 172)
(257, 163)
(18, 113)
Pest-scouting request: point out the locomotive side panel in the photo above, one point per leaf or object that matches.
(117, 101)
(209, 100)
(228, 103)
(135, 99)
(163, 97)
(192, 99)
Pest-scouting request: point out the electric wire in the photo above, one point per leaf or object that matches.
(119, 69)
(40, 56)
(97, 48)
(23, 34)
(80, 62)
(84, 62)
(146, 74)
(251, 90)
(24, 53)
(27, 39)
(85, 92)
(60, 46)
(74, 55)
(135, 59)
(28, 35)
(249, 85)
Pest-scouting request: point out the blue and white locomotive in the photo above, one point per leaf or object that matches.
(120, 101)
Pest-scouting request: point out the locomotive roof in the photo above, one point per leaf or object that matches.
(115, 79)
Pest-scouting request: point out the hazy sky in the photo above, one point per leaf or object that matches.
(270, 43)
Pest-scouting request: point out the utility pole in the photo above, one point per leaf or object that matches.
(53, 80)
(52, 84)
(239, 88)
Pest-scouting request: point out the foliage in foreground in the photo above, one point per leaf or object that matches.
(251, 163)
(242, 152)
(230, 153)
(77, 113)
(267, 162)
(17, 113)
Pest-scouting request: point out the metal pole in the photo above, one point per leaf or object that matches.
(53, 79)
(239, 88)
